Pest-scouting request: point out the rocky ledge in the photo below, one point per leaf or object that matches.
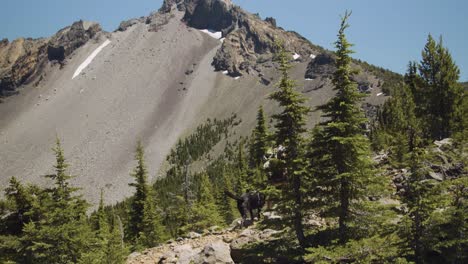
(22, 60)
(225, 246)
(248, 40)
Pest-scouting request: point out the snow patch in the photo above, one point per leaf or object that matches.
(237, 78)
(90, 58)
(212, 33)
(312, 56)
(222, 40)
(379, 94)
(296, 56)
(225, 72)
(309, 79)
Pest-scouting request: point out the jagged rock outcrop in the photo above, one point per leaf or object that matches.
(213, 14)
(18, 62)
(252, 43)
(442, 165)
(70, 38)
(22, 59)
(127, 23)
(321, 66)
(249, 41)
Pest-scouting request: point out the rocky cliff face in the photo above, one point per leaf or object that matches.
(248, 40)
(22, 59)
(18, 62)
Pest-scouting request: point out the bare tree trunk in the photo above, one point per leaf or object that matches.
(344, 211)
(297, 212)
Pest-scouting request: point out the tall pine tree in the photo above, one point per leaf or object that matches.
(260, 140)
(62, 233)
(443, 95)
(137, 205)
(343, 176)
(290, 126)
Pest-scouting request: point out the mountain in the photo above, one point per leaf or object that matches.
(155, 79)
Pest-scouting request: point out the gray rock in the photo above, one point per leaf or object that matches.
(134, 255)
(186, 254)
(436, 176)
(168, 257)
(71, 38)
(210, 14)
(193, 235)
(215, 230)
(236, 224)
(215, 252)
(445, 141)
(126, 24)
(268, 234)
(272, 215)
(322, 65)
(245, 238)
(271, 20)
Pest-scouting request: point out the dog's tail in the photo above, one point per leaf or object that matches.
(231, 195)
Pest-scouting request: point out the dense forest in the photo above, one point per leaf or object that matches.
(392, 189)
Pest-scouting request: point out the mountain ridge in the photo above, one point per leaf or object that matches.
(157, 79)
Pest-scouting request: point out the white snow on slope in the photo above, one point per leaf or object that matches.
(312, 56)
(379, 94)
(309, 79)
(296, 56)
(225, 72)
(212, 33)
(90, 58)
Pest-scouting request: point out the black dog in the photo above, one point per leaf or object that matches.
(247, 202)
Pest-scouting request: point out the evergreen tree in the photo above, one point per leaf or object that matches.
(453, 242)
(260, 140)
(16, 211)
(152, 230)
(421, 201)
(290, 126)
(415, 84)
(227, 207)
(343, 176)
(242, 182)
(61, 234)
(443, 94)
(204, 213)
(108, 245)
(398, 119)
(137, 205)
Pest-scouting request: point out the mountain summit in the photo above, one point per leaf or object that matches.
(155, 79)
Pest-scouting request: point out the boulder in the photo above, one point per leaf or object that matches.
(193, 235)
(126, 24)
(322, 65)
(268, 234)
(215, 252)
(436, 176)
(185, 254)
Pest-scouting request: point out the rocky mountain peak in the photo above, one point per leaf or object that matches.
(21, 59)
(248, 40)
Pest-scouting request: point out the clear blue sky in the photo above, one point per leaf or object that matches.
(386, 33)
